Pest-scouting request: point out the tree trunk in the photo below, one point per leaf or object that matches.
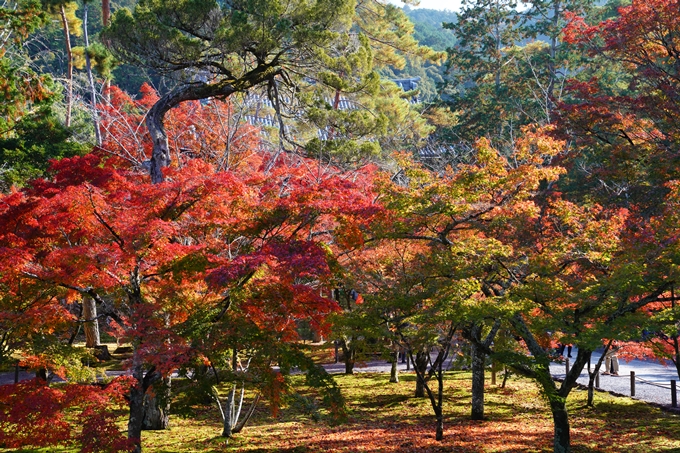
(540, 372)
(478, 360)
(91, 325)
(561, 422)
(506, 374)
(237, 429)
(349, 356)
(421, 367)
(160, 155)
(230, 417)
(136, 418)
(477, 351)
(69, 66)
(230, 413)
(593, 374)
(591, 383)
(106, 12)
(676, 354)
(439, 431)
(157, 407)
(394, 371)
(90, 79)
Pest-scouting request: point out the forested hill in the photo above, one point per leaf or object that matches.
(428, 31)
(428, 27)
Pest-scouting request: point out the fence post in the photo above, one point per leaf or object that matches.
(674, 395)
(597, 380)
(566, 363)
(632, 383)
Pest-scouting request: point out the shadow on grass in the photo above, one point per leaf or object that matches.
(386, 418)
(461, 437)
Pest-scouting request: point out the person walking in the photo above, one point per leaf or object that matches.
(611, 360)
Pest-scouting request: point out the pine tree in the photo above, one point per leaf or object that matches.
(304, 55)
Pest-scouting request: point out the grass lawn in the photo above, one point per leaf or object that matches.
(385, 417)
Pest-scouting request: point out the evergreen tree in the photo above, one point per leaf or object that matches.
(30, 132)
(306, 55)
(478, 66)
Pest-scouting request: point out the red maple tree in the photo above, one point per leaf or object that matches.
(203, 243)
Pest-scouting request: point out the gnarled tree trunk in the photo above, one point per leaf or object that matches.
(160, 156)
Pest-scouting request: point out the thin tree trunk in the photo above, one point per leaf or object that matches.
(478, 359)
(439, 433)
(76, 331)
(230, 415)
(593, 374)
(90, 79)
(69, 66)
(394, 371)
(435, 400)
(106, 12)
(136, 417)
(439, 430)
(251, 410)
(91, 324)
(420, 367)
(676, 343)
(230, 418)
(506, 373)
(676, 354)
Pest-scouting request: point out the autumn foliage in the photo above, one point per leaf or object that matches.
(37, 415)
(165, 257)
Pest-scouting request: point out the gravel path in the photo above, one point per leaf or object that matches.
(652, 379)
(652, 383)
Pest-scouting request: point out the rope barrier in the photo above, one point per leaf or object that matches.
(644, 381)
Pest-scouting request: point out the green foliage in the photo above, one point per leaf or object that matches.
(20, 19)
(102, 60)
(35, 140)
(306, 56)
(30, 132)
